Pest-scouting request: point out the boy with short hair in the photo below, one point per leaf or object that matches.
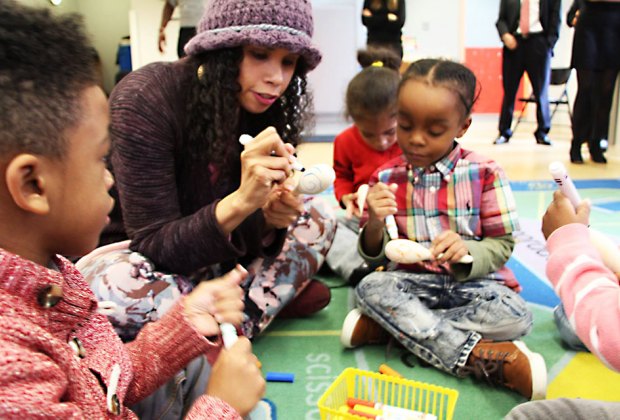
(59, 357)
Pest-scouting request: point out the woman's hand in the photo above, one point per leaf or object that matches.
(266, 163)
(283, 206)
(236, 378)
(448, 247)
(215, 301)
(561, 212)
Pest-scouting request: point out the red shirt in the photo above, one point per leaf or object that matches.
(355, 161)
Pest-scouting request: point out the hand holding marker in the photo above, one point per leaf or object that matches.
(610, 253)
(312, 181)
(245, 139)
(405, 251)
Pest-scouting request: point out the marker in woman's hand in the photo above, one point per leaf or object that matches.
(245, 139)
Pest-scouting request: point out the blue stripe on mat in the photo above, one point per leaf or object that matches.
(535, 289)
(549, 185)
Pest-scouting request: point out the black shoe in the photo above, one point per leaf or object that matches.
(543, 139)
(596, 153)
(575, 152)
(359, 273)
(501, 140)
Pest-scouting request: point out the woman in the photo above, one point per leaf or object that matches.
(194, 202)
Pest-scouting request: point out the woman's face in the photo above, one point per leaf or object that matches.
(264, 75)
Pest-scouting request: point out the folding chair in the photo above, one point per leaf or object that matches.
(559, 77)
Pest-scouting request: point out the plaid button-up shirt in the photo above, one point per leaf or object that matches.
(463, 192)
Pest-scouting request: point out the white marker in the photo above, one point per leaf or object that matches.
(560, 176)
(390, 225)
(229, 334)
(245, 139)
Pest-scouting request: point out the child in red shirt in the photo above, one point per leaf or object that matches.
(360, 149)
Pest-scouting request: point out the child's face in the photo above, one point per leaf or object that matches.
(264, 76)
(79, 202)
(429, 119)
(378, 132)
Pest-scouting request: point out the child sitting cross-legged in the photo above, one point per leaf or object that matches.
(59, 357)
(459, 317)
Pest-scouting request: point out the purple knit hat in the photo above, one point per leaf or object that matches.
(269, 23)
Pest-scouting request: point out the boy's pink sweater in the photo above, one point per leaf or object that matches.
(589, 290)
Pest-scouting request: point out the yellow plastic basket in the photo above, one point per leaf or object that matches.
(389, 390)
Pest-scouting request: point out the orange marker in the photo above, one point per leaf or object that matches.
(386, 370)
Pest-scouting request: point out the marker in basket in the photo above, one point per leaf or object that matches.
(386, 370)
(244, 139)
(384, 411)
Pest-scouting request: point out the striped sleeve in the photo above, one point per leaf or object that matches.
(589, 291)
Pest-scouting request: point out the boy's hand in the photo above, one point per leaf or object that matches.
(448, 247)
(381, 202)
(216, 301)
(236, 379)
(561, 212)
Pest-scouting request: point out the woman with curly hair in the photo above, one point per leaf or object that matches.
(194, 201)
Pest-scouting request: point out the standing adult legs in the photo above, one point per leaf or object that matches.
(512, 70)
(538, 67)
(582, 121)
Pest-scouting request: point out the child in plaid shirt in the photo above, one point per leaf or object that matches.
(458, 317)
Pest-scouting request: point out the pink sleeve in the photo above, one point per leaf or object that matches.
(207, 407)
(589, 291)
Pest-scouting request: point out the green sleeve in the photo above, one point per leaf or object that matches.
(373, 261)
(490, 254)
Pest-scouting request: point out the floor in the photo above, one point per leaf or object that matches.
(522, 158)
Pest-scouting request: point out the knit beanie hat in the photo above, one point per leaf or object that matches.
(269, 23)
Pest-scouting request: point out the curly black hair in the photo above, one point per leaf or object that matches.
(215, 119)
(46, 62)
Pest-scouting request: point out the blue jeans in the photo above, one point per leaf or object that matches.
(439, 319)
(569, 337)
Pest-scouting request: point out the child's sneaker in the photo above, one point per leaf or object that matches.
(359, 329)
(511, 364)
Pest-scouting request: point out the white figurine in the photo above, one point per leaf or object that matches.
(316, 179)
(405, 251)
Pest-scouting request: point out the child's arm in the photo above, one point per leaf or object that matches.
(381, 203)
(588, 289)
(343, 167)
(179, 336)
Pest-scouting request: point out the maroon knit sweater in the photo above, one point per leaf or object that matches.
(166, 216)
(41, 375)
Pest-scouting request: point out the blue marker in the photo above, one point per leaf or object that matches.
(280, 377)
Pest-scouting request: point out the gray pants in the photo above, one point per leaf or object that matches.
(343, 257)
(172, 400)
(564, 408)
(439, 319)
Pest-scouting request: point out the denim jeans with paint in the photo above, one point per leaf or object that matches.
(567, 332)
(439, 319)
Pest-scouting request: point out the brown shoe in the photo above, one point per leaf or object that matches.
(511, 364)
(315, 296)
(359, 329)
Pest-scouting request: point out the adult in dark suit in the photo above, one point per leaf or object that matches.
(597, 61)
(528, 49)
